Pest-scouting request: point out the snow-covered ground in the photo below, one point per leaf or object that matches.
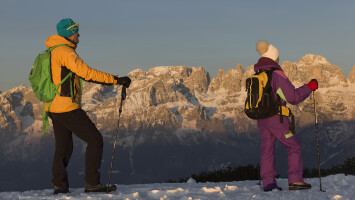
(335, 186)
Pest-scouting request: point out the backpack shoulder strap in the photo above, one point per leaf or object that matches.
(53, 47)
(277, 95)
(270, 73)
(259, 72)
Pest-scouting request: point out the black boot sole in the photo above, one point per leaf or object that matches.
(63, 191)
(111, 188)
(277, 188)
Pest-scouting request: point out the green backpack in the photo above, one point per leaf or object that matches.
(42, 84)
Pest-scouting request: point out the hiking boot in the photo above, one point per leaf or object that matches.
(299, 186)
(271, 187)
(99, 188)
(58, 190)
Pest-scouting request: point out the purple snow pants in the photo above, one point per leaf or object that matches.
(270, 130)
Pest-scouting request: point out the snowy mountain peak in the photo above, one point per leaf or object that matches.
(312, 66)
(230, 81)
(314, 59)
(239, 68)
(165, 69)
(136, 73)
(172, 70)
(20, 88)
(351, 77)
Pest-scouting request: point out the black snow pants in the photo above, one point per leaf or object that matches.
(77, 122)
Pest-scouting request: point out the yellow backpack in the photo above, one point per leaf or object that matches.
(260, 102)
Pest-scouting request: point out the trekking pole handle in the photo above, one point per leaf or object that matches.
(124, 93)
(123, 97)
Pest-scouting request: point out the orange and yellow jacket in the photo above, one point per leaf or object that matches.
(64, 60)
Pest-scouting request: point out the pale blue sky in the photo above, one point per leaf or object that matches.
(118, 36)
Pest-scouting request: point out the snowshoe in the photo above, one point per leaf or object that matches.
(271, 187)
(299, 186)
(99, 188)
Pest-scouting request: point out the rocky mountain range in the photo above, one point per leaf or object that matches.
(176, 121)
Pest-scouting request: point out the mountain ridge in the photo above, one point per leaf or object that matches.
(178, 117)
(185, 95)
(178, 97)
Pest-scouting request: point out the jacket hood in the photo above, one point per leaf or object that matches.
(265, 63)
(56, 39)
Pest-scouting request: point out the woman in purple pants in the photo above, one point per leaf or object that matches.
(273, 128)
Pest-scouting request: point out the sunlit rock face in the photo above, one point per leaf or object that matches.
(351, 77)
(178, 117)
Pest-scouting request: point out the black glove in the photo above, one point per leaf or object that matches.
(125, 81)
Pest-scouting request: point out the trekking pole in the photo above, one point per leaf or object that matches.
(259, 175)
(123, 97)
(316, 123)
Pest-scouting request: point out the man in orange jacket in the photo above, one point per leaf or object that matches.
(66, 113)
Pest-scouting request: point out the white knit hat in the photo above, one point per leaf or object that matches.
(267, 50)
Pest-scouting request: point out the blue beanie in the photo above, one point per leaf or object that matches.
(67, 27)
